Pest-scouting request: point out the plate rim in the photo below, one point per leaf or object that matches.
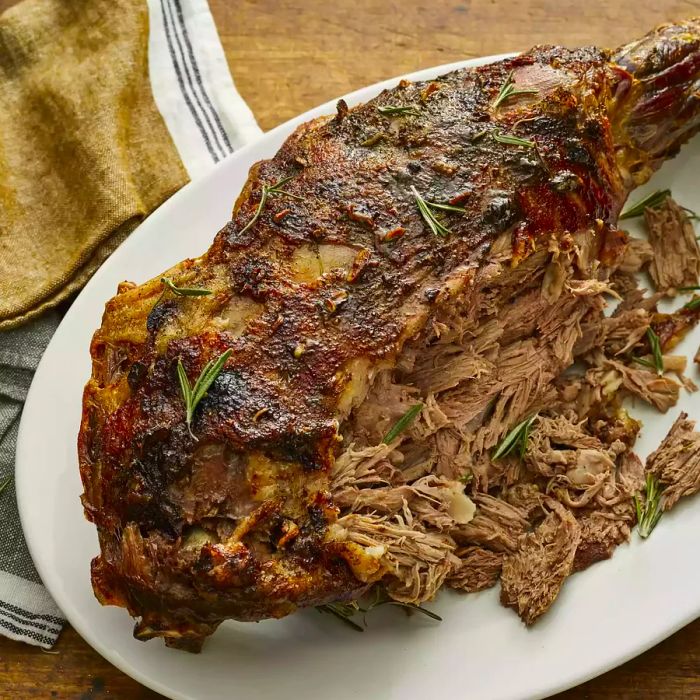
(24, 490)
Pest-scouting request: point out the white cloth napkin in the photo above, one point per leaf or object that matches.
(208, 120)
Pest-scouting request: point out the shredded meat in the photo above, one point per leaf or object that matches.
(638, 253)
(479, 568)
(676, 260)
(418, 561)
(533, 576)
(496, 525)
(660, 391)
(676, 462)
(601, 532)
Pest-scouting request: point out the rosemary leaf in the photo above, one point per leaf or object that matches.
(513, 140)
(402, 423)
(688, 289)
(519, 436)
(446, 207)
(648, 514)
(427, 212)
(342, 612)
(192, 395)
(643, 361)
(5, 483)
(268, 191)
(184, 291)
(345, 611)
(651, 201)
(398, 111)
(692, 305)
(411, 607)
(655, 345)
(508, 90)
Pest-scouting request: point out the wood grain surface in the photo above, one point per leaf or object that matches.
(287, 57)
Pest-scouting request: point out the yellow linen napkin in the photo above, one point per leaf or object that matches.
(84, 152)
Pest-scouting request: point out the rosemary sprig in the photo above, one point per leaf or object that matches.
(184, 291)
(692, 305)
(402, 423)
(651, 201)
(513, 140)
(427, 210)
(688, 289)
(398, 111)
(192, 395)
(268, 191)
(649, 513)
(410, 607)
(5, 483)
(643, 361)
(518, 436)
(381, 598)
(344, 612)
(508, 90)
(655, 345)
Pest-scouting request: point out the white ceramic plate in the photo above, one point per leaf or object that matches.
(603, 617)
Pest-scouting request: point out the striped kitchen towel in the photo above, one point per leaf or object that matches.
(120, 102)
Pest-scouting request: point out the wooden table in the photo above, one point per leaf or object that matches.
(289, 55)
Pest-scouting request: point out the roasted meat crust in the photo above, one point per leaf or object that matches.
(314, 297)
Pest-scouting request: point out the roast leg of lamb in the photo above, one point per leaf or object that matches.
(429, 258)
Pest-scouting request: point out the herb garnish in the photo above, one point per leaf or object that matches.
(518, 436)
(655, 345)
(513, 140)
(192, 395)
(427, 212)
(268, 191)
(402, 423)
(692, 305)
(345, 611)
(398, 111)
(4, 484)
(184, 291)
(643, 361)
(508, 90)
(651, 201)
(649, 513)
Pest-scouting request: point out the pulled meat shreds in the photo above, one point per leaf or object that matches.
(676, 261)
(533, 576)
(601, 532)
(479, 568)
(610, 523)
(624, 329)
(496, 524)
(660, 391)
(676, 462)
(478, 370)
(638, 253)
(418, 561)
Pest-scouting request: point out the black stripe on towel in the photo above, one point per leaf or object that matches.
(43, 626)
(178, 72)
(28, 634)
(32, 616)
(198, 77)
